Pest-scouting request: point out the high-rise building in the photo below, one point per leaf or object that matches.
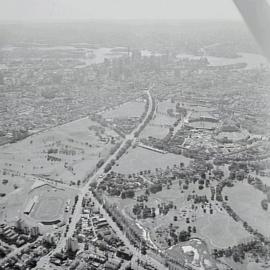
(19, 224)
(49, 238)
(22, 226)
(34, 231)
(72, 244)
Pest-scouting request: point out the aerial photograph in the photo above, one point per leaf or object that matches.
(135, 134)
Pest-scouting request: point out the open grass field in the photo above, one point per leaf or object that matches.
(139, 159)
(155, 131)
(220, 230)
(12, 205)
(265, 179)
(165, 105)
(245, 200)
(128, 109)
(65, 153)
(9, 182)
(258, 266)
(161, 122)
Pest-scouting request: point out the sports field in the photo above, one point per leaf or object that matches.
(50, 206)
(48, 209)
(193, 253)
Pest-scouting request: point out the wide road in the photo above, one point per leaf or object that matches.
(77, 212)
(182, 122)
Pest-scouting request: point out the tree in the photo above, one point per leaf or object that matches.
(107, 168)
(236, 257)
(264, 204)
(128, 194)
(201, 182)
(100, 163)
(143, 250)
(185, 187)
(155, 188)
(209, 166)
(184, 236)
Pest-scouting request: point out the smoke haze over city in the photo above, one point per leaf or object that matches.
(117, 9)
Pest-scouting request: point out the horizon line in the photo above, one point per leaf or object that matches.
(137, 20)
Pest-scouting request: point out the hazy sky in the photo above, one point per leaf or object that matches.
(117, 9)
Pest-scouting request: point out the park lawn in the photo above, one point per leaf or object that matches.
(12, 205)
(80, 144)
(245, 200)
(139, 159)
(10, 182)
(126, 110)
(220, 230)
(155, 131)
(165, 105)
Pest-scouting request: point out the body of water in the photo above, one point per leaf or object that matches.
(253, 61)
